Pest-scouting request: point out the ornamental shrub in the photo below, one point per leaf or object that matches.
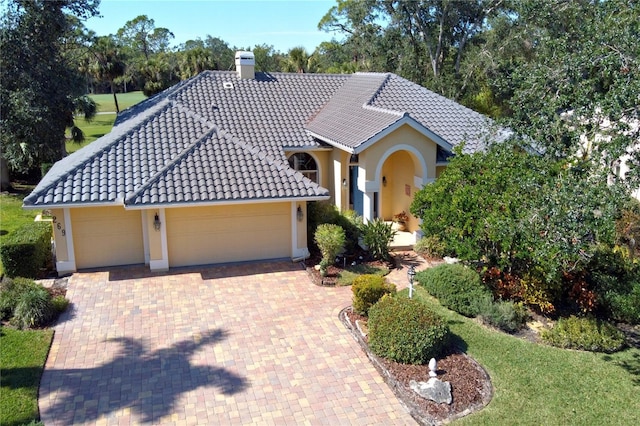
(587, 334)
(377, 236)
(455, 286)
(624, 307)
(59, 304)
(330, 239)
(367, 290)
(33, 309)
(430, 247)
(27, 250)
(11, 290)
(505, 315)
(406, 330)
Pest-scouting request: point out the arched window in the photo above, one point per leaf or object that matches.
(305, 164)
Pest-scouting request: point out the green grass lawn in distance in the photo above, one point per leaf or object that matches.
(543, 385)
(125, 100)
(12, 216)
(22, 357)
(98, 127)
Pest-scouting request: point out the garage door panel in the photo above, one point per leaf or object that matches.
(207, 235)
(107, 236)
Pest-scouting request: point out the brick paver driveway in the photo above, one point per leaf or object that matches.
(243, 344)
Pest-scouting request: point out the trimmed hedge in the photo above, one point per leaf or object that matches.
(587, 334)
(406, 330)
(27, 250)
(455, 286)
(367, 290)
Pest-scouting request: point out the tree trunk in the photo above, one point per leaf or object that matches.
(5, 181)
(115, 99)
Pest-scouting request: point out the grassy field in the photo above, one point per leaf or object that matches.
(542, 385)
(12, 216)
(99, 126)
(22, 357)
(125, 100)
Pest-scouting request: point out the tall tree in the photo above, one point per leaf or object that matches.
(107, 63)
(39, 84)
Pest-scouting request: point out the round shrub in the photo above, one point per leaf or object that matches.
(330, 239)
(33, 309)
(367, 289)
(587, 334)
(455, 286)
(406, 330)
(59, 304)
(430, 247)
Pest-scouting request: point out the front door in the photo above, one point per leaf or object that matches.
(355, 195)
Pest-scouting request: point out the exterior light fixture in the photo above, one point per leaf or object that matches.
(344, 183)
(156, 222)
(299, 214)
(411, 273)
(384, 181)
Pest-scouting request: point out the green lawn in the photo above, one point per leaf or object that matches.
(12, 216)
(542, 385)
(125, 100)
(99, 126)
(22, 357)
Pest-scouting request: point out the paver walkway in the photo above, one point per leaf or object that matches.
(243, 344)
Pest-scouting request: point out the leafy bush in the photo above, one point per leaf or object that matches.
(352, 272)
(320, 212)
(377, 236)
(430, 247)
(33, 309)
(505, 315)
(624, 307)
(27, 250)
(330, 239)
(588, 334)
(455, 286)
(11, 290)
(59, 304)
(406, 330)
(367, 290)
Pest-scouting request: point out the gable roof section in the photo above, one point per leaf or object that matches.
(216, 138)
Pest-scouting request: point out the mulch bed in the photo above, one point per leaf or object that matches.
(470, 383)
(333, 271)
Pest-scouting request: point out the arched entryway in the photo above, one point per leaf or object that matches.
(401, 172)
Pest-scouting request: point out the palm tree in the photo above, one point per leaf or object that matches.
(108, 63)
(298, 60)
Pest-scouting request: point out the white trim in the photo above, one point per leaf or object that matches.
(301, 252)
(294, 228)
(73, 205)
(161, 265)
(418, 181)
(145, 236)
(295, 149)
(222, 203)
(65, 267)
(402, 147)
(337, 184)
(331, 142)
(71, 251)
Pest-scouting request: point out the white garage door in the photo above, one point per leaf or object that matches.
(205, 235)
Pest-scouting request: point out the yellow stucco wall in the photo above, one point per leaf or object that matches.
(60, 235)
(106, 236)
(217, 234)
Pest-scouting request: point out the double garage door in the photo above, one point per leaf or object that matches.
(204, 235)
(112, 236)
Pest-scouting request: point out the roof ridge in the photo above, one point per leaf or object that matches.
(68, 165)
(368, 104)
(171, 164)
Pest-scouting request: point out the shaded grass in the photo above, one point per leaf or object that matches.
(349, 274)
(12, 216)
(94, 129)
(542, 385)
(22, 357)
(125, 100)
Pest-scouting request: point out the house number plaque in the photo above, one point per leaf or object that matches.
(58, 226)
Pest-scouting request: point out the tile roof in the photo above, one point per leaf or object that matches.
(218, 138)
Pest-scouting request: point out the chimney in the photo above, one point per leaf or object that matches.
(245, 65)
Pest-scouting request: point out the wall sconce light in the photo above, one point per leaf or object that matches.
(156, 222)
(384, 181)
(299, 214)
(344, 183)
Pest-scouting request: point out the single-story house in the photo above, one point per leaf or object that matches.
(220, 167)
